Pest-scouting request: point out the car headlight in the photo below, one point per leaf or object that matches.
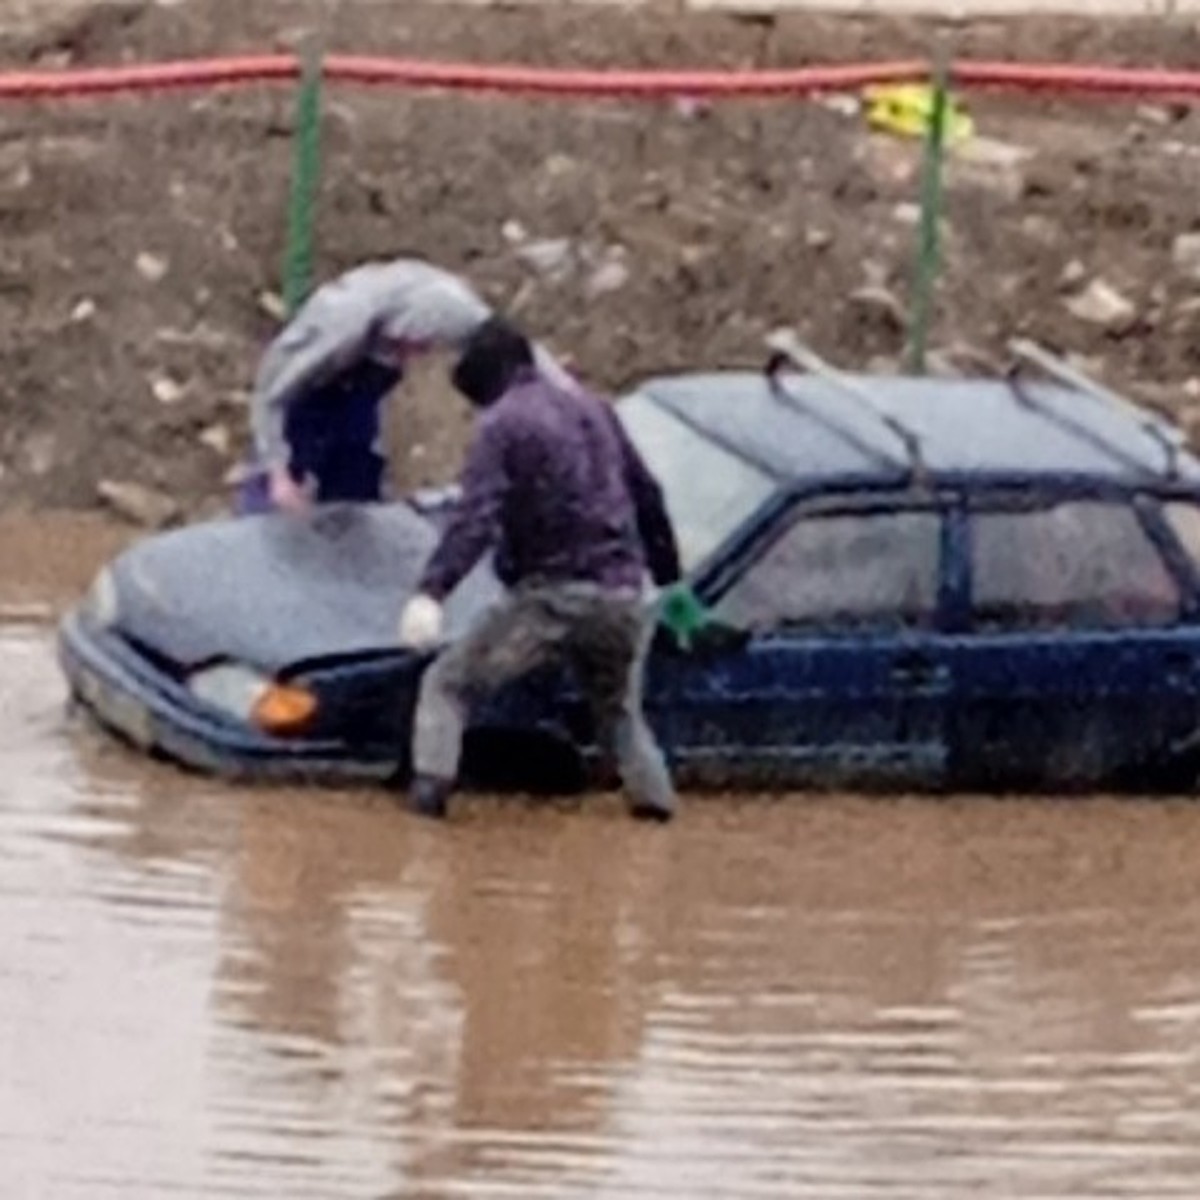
(250, 696)
(101, 604)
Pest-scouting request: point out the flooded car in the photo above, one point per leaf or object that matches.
(914, 582)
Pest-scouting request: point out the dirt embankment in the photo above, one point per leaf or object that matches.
(138, 237)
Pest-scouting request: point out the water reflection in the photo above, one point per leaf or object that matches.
(262, 992)
(853, 998)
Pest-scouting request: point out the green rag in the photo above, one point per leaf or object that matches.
(682, 613)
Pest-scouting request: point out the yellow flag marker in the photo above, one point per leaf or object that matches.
(906, 109)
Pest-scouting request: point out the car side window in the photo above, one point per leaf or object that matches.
(1078, 564)
(842, 571)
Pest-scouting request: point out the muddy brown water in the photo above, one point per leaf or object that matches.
(207, 992)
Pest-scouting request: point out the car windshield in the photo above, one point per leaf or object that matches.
(709, 491)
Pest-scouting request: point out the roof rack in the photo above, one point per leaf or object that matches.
(786, 348)
(1168, 437)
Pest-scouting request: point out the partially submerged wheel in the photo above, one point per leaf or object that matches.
(505, 760)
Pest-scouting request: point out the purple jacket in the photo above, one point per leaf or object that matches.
(553, 484)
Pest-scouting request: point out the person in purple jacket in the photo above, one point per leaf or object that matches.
(555, 489)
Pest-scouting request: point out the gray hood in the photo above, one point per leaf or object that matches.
(272, 590)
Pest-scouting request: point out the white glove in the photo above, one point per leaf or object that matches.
(420, 623)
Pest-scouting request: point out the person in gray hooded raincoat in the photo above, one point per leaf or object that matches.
(315, 410)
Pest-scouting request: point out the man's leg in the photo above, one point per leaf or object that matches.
(640, 759)
(513, 638)
(350, 474)
(610, 640)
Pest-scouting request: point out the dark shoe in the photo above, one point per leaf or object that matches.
(647, 810)
(429, 797)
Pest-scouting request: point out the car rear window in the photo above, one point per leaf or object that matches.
(1077, 564)
(843, 571)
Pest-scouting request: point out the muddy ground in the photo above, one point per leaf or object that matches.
(141, 238)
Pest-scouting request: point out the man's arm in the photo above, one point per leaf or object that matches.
(654, 525)
(475, 525)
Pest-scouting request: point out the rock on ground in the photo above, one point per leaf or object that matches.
(136, 503)
(140, 262)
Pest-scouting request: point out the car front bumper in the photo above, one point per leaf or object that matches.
(156, 713)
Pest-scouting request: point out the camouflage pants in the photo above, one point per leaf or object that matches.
(600, 634)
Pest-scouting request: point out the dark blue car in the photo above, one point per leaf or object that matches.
(916, 583)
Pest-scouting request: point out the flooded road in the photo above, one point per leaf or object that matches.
(211, 993)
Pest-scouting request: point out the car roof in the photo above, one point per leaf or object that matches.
(810, 426)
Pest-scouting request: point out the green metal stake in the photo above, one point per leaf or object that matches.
(306, 169)
(931, 217)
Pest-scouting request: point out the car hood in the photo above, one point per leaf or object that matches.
(274, 590)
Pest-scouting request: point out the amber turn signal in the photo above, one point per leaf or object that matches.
(284, 708)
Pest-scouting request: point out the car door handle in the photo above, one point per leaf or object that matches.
(1181, 666)
(916, 668)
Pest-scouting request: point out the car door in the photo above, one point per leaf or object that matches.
(1078, 668)
(842, 680)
